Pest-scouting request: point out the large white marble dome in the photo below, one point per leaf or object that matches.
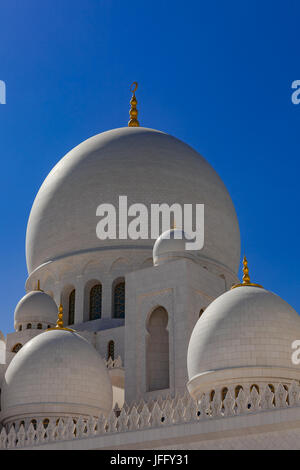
(56, 373)
(244, 335)
(146, 165)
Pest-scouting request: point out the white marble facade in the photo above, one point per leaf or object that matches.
(183, 331)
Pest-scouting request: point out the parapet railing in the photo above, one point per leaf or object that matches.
(230, 401)
(114, 363)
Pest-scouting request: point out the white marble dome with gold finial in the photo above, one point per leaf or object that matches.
(245, 335)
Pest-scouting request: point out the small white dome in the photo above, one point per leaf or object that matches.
(171, 245)
(56, 373)
(36, 306)
(244, 334)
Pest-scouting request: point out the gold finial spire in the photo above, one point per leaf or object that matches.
(60, 323)
(133, 113)
(246, 277)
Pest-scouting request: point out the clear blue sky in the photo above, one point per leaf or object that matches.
(215, 74)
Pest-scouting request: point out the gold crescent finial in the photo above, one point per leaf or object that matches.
(133, 113)
(246, 277)
(133, 90)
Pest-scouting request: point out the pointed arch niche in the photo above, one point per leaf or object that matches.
(157, 351)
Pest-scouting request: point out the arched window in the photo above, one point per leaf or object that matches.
(111, 350)
(95, 302)
(28, 326)
(71, 316)
(157, 347)
(20, 328)
(16, 347)
(119, 300)
(39, 326)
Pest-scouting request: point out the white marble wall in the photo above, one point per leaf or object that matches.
(183, 288)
